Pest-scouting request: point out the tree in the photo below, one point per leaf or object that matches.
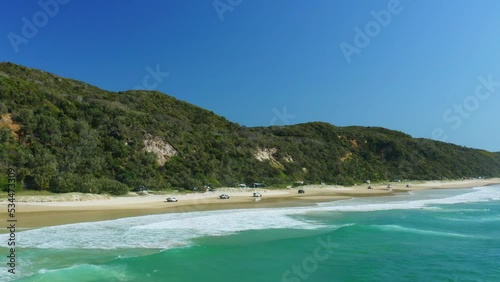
(3, 109)
(45, 168)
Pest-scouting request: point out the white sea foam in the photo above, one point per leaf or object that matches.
(479, 194)
(88, 272)
(158, 231)
(480, 220)
(398, 228)
(176, 230)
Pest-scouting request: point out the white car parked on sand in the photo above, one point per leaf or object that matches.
(256, 194)
(172, 199)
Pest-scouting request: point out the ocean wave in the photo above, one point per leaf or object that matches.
(160, 231)
(6, 276)
(482, 219)
(344, 226)
(478, 194)
(398, 228)
(81, 272)
(461, 210)
(84, 272)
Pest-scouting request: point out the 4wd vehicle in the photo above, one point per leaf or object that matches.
(172, 199)
(224, 196)
(256, 194)
(140, 188)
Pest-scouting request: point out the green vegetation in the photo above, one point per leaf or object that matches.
(76, 137)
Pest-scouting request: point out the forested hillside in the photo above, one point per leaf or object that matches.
(64, 135)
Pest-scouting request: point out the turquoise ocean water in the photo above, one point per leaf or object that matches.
(433, 235)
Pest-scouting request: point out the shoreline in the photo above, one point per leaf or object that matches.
(32, 213)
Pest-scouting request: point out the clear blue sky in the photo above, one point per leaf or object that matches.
(248, 60)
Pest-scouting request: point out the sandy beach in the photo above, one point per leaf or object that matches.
(38, 211)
